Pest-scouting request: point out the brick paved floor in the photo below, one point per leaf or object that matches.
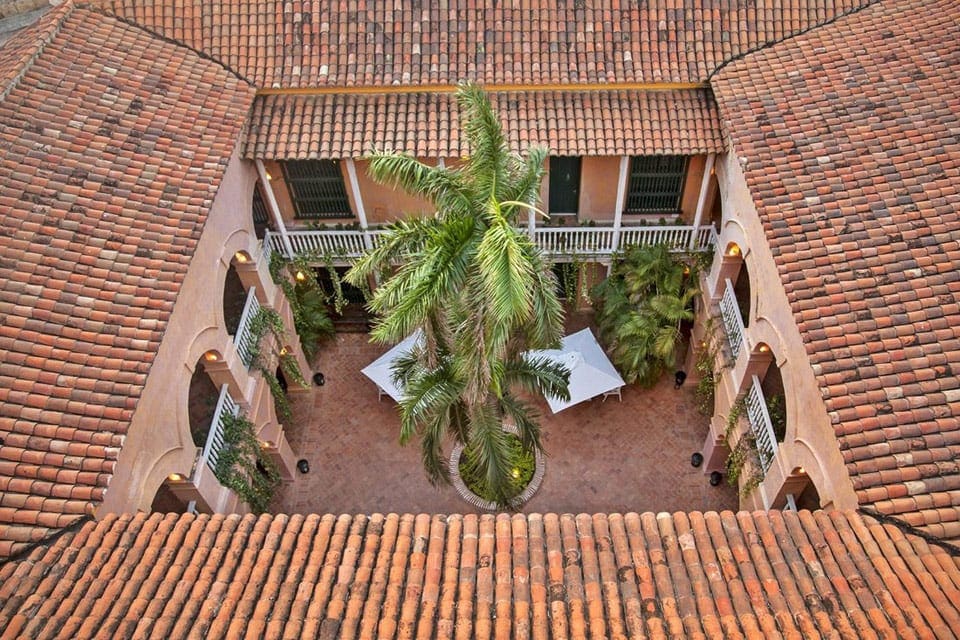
(602, 456)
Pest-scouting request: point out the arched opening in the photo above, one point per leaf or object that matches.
(774, 395)
(166, 501)
(801, 493)
(234, 299)
(741, 290)
(202, 402)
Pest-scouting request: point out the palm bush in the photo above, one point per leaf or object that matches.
(481, 292)
(639, 311)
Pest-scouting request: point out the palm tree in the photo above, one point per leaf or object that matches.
(479, 289)
(640, 308)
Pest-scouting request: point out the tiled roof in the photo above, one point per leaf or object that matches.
(607, 576)
(585, 123)
(376, 43)
(25, 45)
(112, 145)
(850, 136)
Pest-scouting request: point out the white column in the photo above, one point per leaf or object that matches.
(702, 200)
(358, 201)
(618, 207)
(274, 208)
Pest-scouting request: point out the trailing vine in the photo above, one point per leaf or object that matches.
(266, 320)
(707, 369)
(241, 465)
(308, 300)
(743, 453)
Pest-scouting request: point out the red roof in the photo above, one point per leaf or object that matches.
(373, 43)
(112, 144)
(574, 123)
(851, 139)
(607, 576)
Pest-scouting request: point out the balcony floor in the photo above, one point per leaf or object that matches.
(608, 456)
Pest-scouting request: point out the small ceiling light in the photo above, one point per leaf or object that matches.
(763, 348)
(284, 351)
(211, 356)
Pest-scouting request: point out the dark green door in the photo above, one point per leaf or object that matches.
(564, 184)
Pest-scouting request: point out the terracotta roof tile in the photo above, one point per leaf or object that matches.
(364, 43)
(459, 576)
(584, 123)
(98, 236)
(851, 137)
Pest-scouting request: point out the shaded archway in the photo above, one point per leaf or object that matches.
(202, 403)
(234, 298)
(741, 289)
(166, 501)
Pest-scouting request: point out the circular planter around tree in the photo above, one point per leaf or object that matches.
(521, 498)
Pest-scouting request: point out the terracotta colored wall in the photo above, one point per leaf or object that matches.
(599, 177)
(383, 203)
(158, 442)
(810, 441)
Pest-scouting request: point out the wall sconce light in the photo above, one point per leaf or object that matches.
(733, 250)
(175, 477)
(284, 351)
(211, 356)
(241, 257)
(300, 276)
(763, 347)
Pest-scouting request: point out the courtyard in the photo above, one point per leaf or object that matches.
(602, 456)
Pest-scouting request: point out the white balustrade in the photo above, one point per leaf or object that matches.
(245, 338)
(554, 241)
(732, 320)
(593, 241)
(761, 425)
(226, 408)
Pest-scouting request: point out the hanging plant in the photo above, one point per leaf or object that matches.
(241, 465)
(707, 369)
(308, 300)
(265, 321)
(743, 453)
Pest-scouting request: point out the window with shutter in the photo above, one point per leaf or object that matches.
(317, 189)
(656, 184)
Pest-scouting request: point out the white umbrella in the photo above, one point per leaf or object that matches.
(591, 373)
(381, 369)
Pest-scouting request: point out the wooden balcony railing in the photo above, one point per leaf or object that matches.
(732, 320)
(244, 338)
(761, 425)
(595, 242)
(226, 408)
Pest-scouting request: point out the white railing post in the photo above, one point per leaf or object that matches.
(702, 198)
(274, 207)
(244, 339)
(358, 199)
(732, 320)
(618, 207)
(761, 425)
